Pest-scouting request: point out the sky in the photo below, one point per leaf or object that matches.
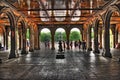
(45, 30)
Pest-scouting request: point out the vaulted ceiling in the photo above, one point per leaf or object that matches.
(58, 11)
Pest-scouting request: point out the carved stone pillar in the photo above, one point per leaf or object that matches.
(96, 44)
(36, 39)
(107, 52)
(82, 36)
(89, 46)
(24, 48)
(53, 40)
(13, 43)
(31, 49)
(67, 36)
(6, 36)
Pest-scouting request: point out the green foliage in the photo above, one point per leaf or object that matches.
(74, 36)
(57, 35)
(92, 33)
(64, 36)
(28, 34)
(45, 37)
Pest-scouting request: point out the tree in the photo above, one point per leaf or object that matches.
(28, 34)
(74, 36)
(45, 37)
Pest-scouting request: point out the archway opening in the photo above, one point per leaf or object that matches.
(114, 25)
(6, 34)
(75, 37)
(45, 37)
(60, 35)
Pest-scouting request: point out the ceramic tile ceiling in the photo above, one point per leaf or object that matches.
(63, 10)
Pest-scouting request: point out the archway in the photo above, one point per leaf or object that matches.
(60, 35)
(114, 25)
(45, 37)
(7, 33)
(19, 35)
(75, 37)
(9, 20)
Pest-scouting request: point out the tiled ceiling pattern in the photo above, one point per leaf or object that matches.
(42, 10)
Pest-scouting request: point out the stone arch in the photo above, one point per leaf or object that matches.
(96, 43)
(10, 15)
(63, 37)
(107, 19)
(48, 39)
(21, 26)
(12, 20)
(31, 30)
(79, 30)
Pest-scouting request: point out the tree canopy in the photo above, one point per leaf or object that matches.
(45, 37)
(74, 36)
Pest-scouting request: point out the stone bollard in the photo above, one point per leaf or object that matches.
(0, 61)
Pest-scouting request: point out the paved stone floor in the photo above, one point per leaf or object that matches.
(77, 65)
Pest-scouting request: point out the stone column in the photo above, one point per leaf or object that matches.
(53, 40)
(96, 44)
(31, 49)
(67, 36)
(6, 36)
(24, 49)
(89, 46)
(82, 35)
(36, 39)
(107, 52)
(13, 43)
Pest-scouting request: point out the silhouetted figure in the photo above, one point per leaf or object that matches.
(79, 44)
(84, 45)
(45, 44)
(75, 44)
(71, 44)
(48, 44)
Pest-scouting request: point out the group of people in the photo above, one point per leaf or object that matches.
(47, 44)
(77, 44)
